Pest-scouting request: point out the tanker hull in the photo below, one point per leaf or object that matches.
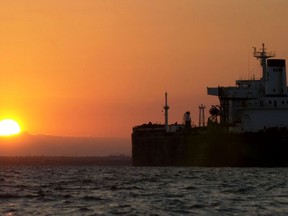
(262, 149)
(249, 127)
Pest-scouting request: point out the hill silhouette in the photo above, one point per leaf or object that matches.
(46, 145)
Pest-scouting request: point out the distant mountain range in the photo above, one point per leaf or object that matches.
(65, 161)
(46, 145)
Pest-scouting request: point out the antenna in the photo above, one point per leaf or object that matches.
(263, 56)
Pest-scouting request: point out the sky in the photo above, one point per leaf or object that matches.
(99, 67)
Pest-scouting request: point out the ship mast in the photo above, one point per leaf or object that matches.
(263, 56)
(201, 116)
(166, 108)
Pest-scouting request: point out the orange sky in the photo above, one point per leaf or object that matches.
(99, 67)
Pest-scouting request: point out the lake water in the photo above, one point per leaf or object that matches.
(126, 190)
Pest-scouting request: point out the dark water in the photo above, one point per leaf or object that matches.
(76, 190)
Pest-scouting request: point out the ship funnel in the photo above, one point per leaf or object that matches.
(276, 84)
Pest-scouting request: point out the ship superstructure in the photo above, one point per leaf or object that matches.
(255, 105)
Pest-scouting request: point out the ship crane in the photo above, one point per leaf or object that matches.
(214, 111)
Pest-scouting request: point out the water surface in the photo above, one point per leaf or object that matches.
(126, 190)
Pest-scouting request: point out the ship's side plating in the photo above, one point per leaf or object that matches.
(248, 128)
(199, 147)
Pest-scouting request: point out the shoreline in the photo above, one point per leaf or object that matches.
(65, 160)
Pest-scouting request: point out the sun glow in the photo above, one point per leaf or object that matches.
(9, 127)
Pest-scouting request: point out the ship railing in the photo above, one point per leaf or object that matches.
(148, 130)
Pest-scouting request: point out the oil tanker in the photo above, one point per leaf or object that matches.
(249, 126)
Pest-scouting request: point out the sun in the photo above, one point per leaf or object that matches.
(9, 127)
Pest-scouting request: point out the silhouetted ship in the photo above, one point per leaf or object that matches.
(247, 128)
